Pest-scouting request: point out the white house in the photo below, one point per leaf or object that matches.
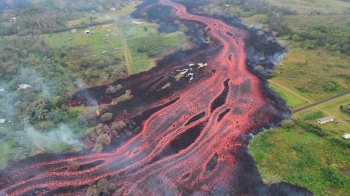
(325, 120)
(73, 31)
(2, 121)
(13, 19)
(87, 32)
(136, 22)
(346, 136)
(24, 86)
(112, 9)
(2, 90)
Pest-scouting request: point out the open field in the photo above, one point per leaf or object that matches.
(323, 6)
(311, 72)
(108, 15)
(95, 41)
(302, 158)
(159, 43)
(331, 108)
(293, 99)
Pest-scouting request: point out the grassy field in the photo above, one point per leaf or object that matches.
(331, 108)
(306, 6)
(298, 156)
(108, 15)
(308, 72)
(305, 159)
(165, 43)
(293, 99)
(95, 41)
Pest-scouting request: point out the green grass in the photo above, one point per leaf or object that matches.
(108, 15)
(292, 100)
(308, 71)
(306, 6)
(95, 40)
(331, 108)
(142, 61)
(301, 158)
(134, 31)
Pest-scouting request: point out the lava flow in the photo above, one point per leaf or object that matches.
(193, 143)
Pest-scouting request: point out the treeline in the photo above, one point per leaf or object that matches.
(49, 16)
(30, 60)
(332, 38)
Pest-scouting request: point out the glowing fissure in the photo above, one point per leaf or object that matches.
(216, 112)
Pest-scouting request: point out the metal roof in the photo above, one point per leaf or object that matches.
(328, 118)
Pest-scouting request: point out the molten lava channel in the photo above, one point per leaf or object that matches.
(218, 112)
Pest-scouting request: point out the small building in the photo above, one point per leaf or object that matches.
(24, 86)
(112, 9)
(73, 31)
(104, 52)
(2, 90)
(87, 32)
(2, 121)
(325, 120)
(346, 136)
(136, 22)
(13, 19)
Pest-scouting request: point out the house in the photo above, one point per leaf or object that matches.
(346, 136)
(73, 31)
(2, 90)
(112, 9)
(136, 22)
(104, 52)
(2, 121)
(325, 120)
(13, 19)
(24, 86)
(87, 32)
(228, 5)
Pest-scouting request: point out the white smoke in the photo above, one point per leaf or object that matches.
(49, 141)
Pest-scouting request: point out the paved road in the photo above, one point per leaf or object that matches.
(320, 102)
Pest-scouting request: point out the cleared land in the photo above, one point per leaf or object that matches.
(305, 7)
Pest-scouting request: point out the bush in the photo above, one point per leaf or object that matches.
(106, 117)
(287, 123)
(331, 175)
(311, 128)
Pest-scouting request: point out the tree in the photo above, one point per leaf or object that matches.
(73, 165)
(86, 116)
(287, 123)
(145, 28)
(106, 117)
(119, 125)
(103, 186)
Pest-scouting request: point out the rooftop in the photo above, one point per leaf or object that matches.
(2, 121)
(326, 118)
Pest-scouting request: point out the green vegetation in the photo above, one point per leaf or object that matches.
(301, 155)
(144, 50)
(291, 98)
(40, 50)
